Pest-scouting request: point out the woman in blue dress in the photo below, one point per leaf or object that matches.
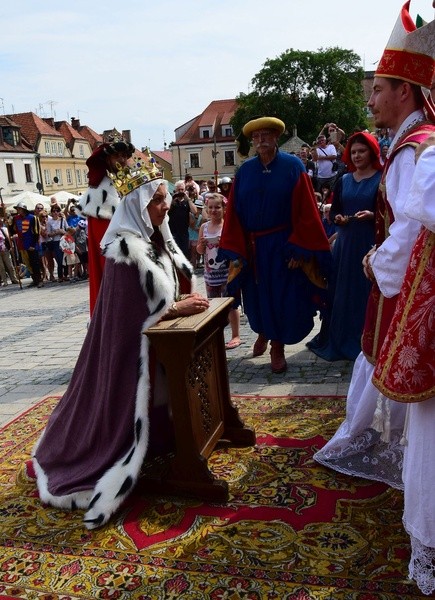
(353, 208)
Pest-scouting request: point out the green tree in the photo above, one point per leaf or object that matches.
(307, 89)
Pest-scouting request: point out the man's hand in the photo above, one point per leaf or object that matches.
(368, 271)
(293, 263)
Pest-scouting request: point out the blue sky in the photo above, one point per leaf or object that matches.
(150, 67)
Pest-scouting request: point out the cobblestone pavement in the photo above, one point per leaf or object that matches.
(42, 331)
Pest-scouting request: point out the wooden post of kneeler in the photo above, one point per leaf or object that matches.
(192, 352)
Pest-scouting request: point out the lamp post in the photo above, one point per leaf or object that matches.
(214, 154)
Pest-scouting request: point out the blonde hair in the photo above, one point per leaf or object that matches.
(215, 196)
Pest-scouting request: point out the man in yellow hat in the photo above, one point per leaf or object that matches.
(273, 234)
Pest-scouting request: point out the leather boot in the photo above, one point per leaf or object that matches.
(277, 359)
(260, 345)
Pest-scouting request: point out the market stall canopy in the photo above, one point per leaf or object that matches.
(30, 199)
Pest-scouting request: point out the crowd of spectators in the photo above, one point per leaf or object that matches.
(45, 245)
(39, 253)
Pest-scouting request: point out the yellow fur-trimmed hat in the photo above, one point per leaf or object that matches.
(263, 123)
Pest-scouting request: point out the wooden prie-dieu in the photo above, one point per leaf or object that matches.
(192, 352)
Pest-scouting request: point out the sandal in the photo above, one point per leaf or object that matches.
(232, 344)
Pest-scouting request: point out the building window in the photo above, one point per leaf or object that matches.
(11, 136)
(69, 176)
(85, 175)
(60, 148)
(229, 158)
(53, 148)
(10, 172)
(81, 151)
(205, 132)
(47, 178)
(28, 171)
(228, 131)
(194, 160)
(59, 176)
(47, 147)
(79, 177)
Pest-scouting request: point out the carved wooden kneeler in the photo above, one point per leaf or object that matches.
(192, 352)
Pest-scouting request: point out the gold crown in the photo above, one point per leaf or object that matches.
(141, 170)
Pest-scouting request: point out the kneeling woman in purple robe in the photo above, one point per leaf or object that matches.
(112, 414)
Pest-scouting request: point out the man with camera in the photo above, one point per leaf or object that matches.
(190, 183)
(71, 213)
(325, 155)
(179, 215)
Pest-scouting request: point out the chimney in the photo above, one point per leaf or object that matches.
(126, 135)
(49, 121)
(75, 123)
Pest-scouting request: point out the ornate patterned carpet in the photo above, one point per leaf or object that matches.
(292, 530)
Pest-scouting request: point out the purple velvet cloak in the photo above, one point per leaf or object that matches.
(90, 454)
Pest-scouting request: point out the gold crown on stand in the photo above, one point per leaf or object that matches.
(140, 171)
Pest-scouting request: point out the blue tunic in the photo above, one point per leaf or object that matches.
(348, 286)
(279, 302)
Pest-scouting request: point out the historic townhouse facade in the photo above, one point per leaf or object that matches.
(44, 156)
(205, 146)
(18, 161)
(61, 153)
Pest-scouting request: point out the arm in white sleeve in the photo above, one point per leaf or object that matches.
(390, 260)
(421, 202)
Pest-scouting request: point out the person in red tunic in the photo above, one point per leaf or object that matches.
(98, 204)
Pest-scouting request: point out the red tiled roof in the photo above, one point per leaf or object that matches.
(32, 127)
(165, 155)
(94, 138)
(68, 132)
(7, 122)
(217, 113)
(23, 146)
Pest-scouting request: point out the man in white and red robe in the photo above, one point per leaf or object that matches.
(405, 372)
